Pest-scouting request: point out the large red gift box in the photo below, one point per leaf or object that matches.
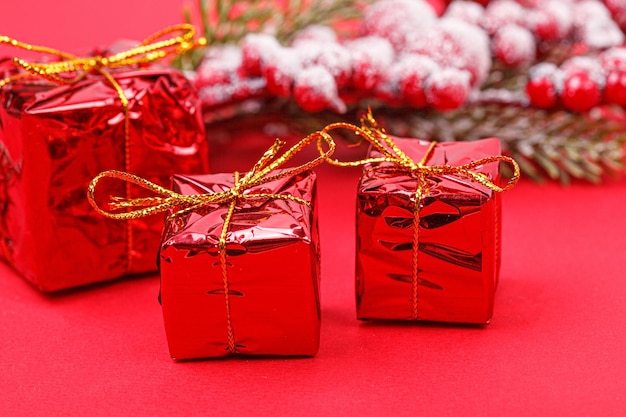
(262, 296)
(452, 276)
(55, 137)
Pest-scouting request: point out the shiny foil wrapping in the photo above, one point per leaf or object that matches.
(458, 239)
(55, 138)
(272, 306)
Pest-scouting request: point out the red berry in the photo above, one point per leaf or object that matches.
(447, 89)
(315, 90)
(514, 45)
(466, 11)
(396, 20)
(615, 88)
(545, 26)
(613, 59)
(255, 48)
(218, 66)
(413, 71)
(552, 21)
(501, 13)
(371, 56)
(280, 70)
(457, 44)
(542, 92)
(580, 92)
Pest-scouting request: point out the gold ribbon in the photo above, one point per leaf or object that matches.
(72, 69)
(178, 204)
(371, 132)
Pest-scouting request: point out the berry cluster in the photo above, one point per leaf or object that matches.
(406, 54)
(580, 83)
(520, 28)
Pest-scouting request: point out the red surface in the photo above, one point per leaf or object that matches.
(556, 345)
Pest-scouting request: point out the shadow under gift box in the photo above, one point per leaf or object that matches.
(272, 306)
(55, 138)
(459, 238)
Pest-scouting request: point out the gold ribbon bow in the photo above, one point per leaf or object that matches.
(72, 69)
(371, 132)
(179, 204)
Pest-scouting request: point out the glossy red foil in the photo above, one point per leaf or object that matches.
(272, 258)
(54, 139)
(459, 243)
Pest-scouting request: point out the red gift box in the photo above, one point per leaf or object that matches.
(262, 297)
(452, 277)
(56, 136)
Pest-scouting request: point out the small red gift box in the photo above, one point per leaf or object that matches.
(261, 297)
(56, 136)
(452, 276)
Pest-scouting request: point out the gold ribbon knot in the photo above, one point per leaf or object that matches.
(371, 132)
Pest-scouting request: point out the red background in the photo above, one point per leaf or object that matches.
(555, 345)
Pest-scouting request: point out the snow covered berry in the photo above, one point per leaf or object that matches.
(501, 13)
(613, 59)
(315, 90)
(318, 33)
(371, 56)
(466, 11)
(615, 87)
(447, 89)
(280, 71)
(514, 45)
(218, 65)
(413, 71)
(398, 20)
(457, 44)
(552, 21)
(255, 48)
(580, 92)
(543, 86)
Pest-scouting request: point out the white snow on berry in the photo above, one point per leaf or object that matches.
(550, 71)
(586, 65)
(552, 21)
(396, 20)
(226, 57)
(256, 47)
(280, 71)
(466, 10)
(457, 44)
(588, 10)
(315, 89)
(308, 50)
(406, 66)
(601, 33)
(371, 56)
(514, 45)
(562, 11)
(594, 26)
(613, 58)
(372, 49)
(261, 44)
(338, 61)
(318, 33)
(447, 89)
(502, 12)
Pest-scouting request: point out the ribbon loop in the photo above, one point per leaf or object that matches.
(167, 200)
(371, 132)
